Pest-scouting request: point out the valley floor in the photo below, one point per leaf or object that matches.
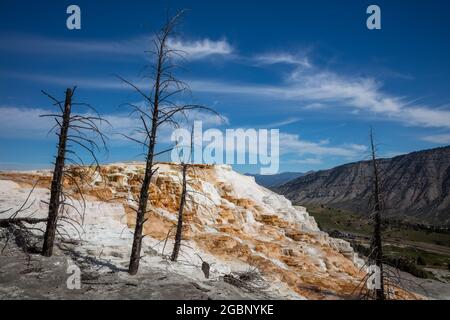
(399, 243)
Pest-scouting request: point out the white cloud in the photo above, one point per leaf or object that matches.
(31, 44)
(331, 90)
(200, 48)
(282, 123)
(208, 118)
(319, 90)
(314, 106)
(286, 58)
(26, 123)
(437, 138)
(111, 83)
(293, 144)
(309, 86)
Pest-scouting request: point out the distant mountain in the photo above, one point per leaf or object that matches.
(415, 185)
(275, 180)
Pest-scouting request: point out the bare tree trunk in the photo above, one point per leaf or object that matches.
(140, 218)
(377, 249)
(56, 186)
(144, 197)
(161, 111)
(177, 244)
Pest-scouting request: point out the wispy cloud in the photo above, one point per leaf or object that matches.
(318, 90)
(23, 123)
(105, 83)
(201, 48)
(31, 44)
(314, 106)
(293, 144)
(306, 84)
(282, 123)
(437, 138)
(26, 123)
(281, 57)
(332, 90)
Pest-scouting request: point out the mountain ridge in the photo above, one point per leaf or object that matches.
(415, 186)
(275, 180)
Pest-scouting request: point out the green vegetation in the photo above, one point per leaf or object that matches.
(401, 262)
(440, 239)
(421, 261)
(330, 219)
(409, 247)
(434, 260)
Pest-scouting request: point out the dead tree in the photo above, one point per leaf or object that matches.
(386, 274)
(376, 242)
(178, 234)
(73, 128)
(366, 289)
(56, 186)
(187, 196)
(179, 231)
(160, 110)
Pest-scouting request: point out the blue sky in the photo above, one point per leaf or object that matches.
(309, 68)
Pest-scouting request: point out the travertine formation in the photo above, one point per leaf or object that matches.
(230, 221)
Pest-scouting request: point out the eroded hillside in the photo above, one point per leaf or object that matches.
(415, 186)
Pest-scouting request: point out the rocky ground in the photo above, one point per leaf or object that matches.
(31, 276)
(434, 289)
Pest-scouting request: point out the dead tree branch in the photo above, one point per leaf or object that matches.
(160, 110)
